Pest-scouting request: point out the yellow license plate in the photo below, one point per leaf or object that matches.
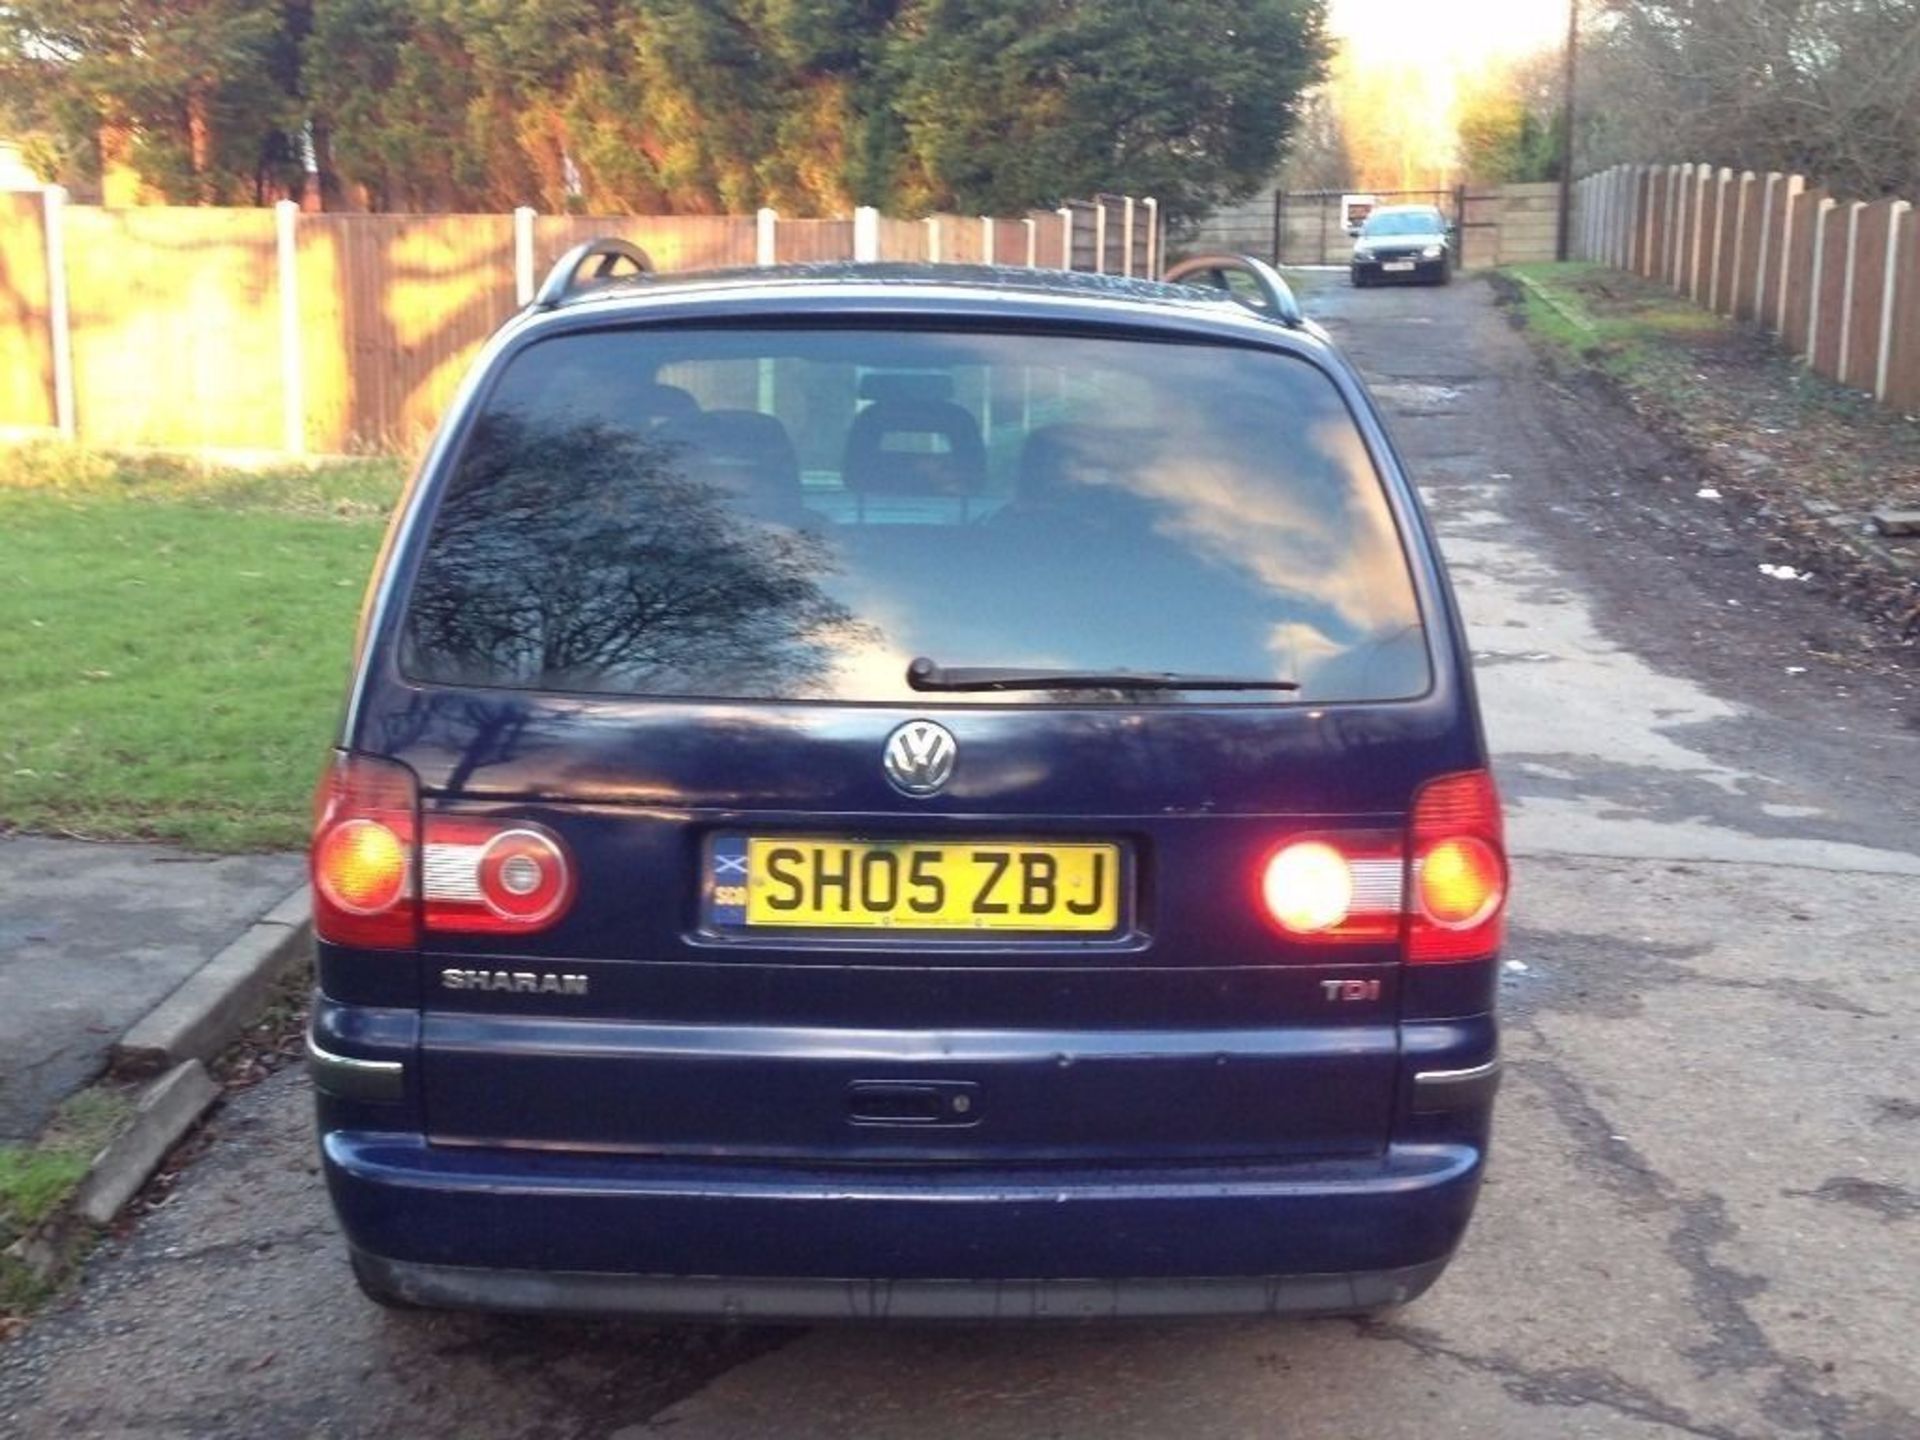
(964, 885)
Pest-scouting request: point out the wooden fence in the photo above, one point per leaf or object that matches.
(1838, 281)
(272, 331)
(1499, 224)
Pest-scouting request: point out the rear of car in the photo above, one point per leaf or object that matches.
(1403, 242)
(904, 800)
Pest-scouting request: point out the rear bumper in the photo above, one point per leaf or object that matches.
(1375, 270)
(531, 1231)
(796, 1301)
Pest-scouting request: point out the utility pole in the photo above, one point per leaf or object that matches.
(1561, 240)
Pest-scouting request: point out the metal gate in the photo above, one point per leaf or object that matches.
(1308, 228)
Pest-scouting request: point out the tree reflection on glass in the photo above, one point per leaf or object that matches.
(585, 558)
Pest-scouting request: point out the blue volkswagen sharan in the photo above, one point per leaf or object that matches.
(899, 793)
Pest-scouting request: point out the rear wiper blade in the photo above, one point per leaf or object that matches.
(925, 674)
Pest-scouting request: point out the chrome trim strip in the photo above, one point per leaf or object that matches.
(1459, 1077)
(1436, 1091)
(351, 1078)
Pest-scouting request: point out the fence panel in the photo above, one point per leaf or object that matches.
(176, 327)
(26, 338)
(1528, 216)
(1726, 225)
(798, 242)
(1807, 214)
(1049, 251)
(1745, 222)
(961, 242)
(1656, 246)
(1903, 358)
(1830, 288)
(1681, 265)
(406, 300)
(1869, 288)
(903, 239)
(1775, 198)
(672, 242)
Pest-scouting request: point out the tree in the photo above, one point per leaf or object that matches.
(1004, 104)
(683, 105)
(1830, 88)
(204, 89)
(1508, 124)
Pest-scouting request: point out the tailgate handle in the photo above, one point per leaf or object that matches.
(913, 1102)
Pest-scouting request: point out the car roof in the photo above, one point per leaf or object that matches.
(908, 273)
(847, 288)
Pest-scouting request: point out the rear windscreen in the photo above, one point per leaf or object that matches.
(800, 514)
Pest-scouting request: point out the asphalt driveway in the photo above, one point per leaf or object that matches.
(1704, 1216)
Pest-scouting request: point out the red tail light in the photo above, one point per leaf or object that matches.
(378, 879)
(362, 856)
(1459, 869)
(488, 877)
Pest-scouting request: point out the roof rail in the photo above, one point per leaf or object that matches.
(1210, 271)
(564, 280)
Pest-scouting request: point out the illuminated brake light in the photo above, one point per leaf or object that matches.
(1308, 887)
(361, 861)
(1343, 888)
(1459, 870)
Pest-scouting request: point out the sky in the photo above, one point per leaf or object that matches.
(1403, 65)
(1447, 33)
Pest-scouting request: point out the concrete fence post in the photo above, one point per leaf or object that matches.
(986, 240)
(1598, 243)
(1605, 253)
(1597, 240)
(1126, 223)
(1890, 285)
(1066, 236)
(866, 234)
(1623, 218)
(1099, 237)
(1650, 177)
(1603, 244)
(1676, 222)
(766, 236)
(59, 317)
(1819, 269)
(933, 239)
(523, 277)
(1154, 262)
(1721, 179)
(1765, 245)
(1789, 209)
(1033, 242)
(1636, 216)
(1744, 189)
(1846, 289)
(293, 400)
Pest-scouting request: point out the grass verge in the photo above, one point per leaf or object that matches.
(1801, 461)
(36, 1181)
(1600, 318)
(173, 638)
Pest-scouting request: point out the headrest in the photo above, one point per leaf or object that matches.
(871, 464)
(747, 454)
